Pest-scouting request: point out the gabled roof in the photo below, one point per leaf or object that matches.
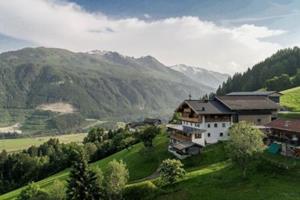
(288, 125)
(248, 103)
(254, 93)
(206, 107)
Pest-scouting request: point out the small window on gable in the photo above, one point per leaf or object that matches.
(198, 135)
(224, 125)
(208, 125)
(208, 134)
(221, 134)
(216, 125)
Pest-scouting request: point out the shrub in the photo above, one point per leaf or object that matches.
(139, 191)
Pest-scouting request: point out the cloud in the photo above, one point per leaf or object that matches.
(189, 40)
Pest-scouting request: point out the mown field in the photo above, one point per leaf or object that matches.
(291, 99)
(14, 145)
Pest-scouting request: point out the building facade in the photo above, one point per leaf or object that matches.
(206, 122)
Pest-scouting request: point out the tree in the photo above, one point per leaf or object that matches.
(171, 170)
(96, 135)
(245, 143)
(147, 135)
(32, 192)
(83, 183)
(57, 191)
(175, 118)
(116, 177)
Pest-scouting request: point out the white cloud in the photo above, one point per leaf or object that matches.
(189, 40)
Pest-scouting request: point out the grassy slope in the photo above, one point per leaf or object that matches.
(224, 182)
(291, 99)
(13, 145)
(209, 176)
(139, 164)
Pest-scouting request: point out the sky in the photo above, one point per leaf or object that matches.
(226, 36)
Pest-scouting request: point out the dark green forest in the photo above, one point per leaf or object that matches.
(278, 72)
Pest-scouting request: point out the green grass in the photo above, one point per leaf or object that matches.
(139, 162)
(14, 145)
(223, 181)
(290, 115)
(209, 175)
(291, 99)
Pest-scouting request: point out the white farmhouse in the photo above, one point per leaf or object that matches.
(208, 121)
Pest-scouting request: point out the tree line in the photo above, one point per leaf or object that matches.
(35, 163)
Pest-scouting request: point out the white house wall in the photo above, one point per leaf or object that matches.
(213, 131)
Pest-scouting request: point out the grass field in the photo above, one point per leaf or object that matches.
(291, 99)
(13, 145)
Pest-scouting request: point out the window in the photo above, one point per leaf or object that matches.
(221, 134)
(208, 125)
(208, 134)
(198, 135)
(259, 120)
(223, 125)
(216, 125)
(228, 134)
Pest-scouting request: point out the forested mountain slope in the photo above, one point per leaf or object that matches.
(278, 72)
(97, 84)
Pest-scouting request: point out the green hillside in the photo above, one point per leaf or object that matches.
(291, 99)
(279, 72)
(140, 164)
(209, 175)
(224, 182)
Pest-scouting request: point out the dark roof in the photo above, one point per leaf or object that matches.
(248, 102)
(288, 125)
(207, 107)
(254, 93)
(151, 120)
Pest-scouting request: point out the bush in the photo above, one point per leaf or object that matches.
(269, 166)
(139, 191)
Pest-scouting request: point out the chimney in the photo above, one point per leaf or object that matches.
(190, 97)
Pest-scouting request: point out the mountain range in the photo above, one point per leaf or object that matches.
(201, 75)
(96, 84)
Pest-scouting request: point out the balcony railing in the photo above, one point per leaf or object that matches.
(180, 137)
(189, 119)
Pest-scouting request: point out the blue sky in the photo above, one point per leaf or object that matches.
(226, 36)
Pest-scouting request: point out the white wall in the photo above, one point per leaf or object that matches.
(214, 132)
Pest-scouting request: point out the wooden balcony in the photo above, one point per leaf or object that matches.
(190, 119)
(180, 137)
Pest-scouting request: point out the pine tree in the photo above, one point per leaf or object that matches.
(83, 183)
